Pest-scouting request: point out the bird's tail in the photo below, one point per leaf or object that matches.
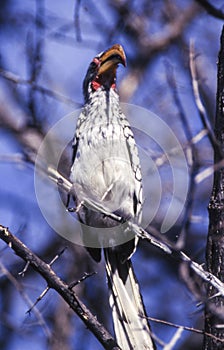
(129, 317)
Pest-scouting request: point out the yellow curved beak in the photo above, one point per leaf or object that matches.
(110, 59)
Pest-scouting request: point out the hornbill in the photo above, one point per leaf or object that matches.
(106, 171)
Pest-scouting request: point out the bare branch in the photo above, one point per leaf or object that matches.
(45, 91)
(77, 21)
(190, 152)
(174, 339)
(136, 29)
(189, 329)
(38, 299)
(42, 295)
(148, 46)
(214, 249)
(35, 58)
(160, 243)
(212, 10)
(83, 278)
(199, 104)
(208, 171)
(61, 287)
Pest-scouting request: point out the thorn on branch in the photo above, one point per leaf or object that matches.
(57, 256)
(83, 278)
(38, 299)
(22, 273)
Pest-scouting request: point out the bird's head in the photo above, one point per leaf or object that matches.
(102, 70)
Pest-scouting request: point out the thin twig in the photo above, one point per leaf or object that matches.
(22, 273)
(25, 297)
(190, 152)
(38, 299)
(189, 329)
(45, 91)
(199, 104)
(174, 339)
(57, 256)
(208, 171)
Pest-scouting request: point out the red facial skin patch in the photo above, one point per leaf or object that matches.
(96, 85)
(98, 82)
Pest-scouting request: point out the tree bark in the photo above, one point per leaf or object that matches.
(214, 310)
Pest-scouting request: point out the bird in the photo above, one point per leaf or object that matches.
(106, 177)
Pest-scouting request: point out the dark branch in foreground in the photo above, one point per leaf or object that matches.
(214, 312)
(212, 10)
(61, 287)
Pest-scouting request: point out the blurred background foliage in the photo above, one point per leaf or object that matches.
(46, 47)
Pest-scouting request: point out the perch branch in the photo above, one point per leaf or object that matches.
(160, 242)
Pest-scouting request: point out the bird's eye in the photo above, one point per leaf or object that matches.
(96, 61)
